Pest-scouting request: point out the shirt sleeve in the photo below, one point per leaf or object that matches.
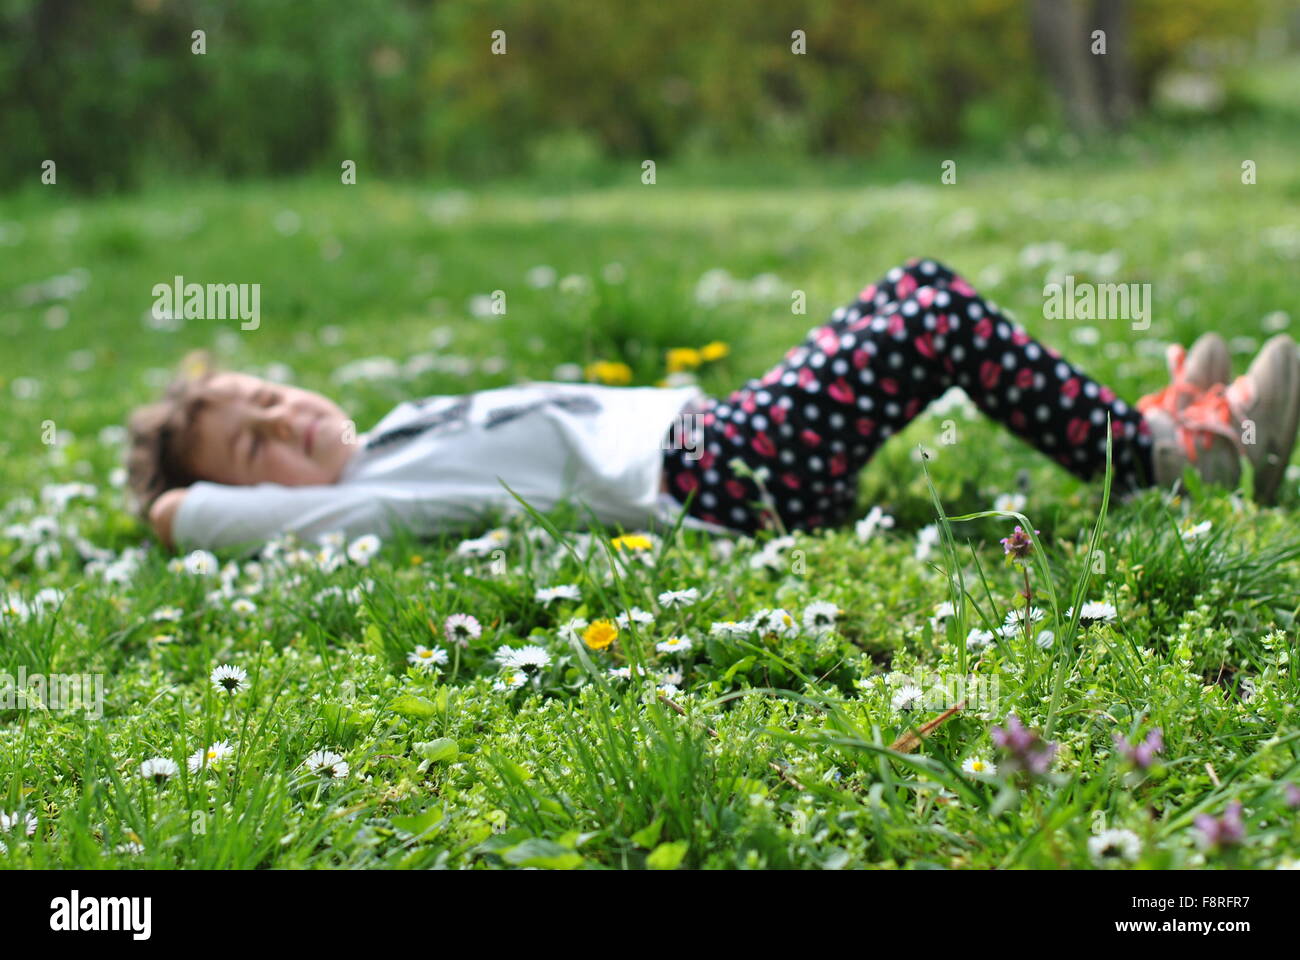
(214, 516)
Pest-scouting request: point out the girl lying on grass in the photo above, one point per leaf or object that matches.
(229, 460)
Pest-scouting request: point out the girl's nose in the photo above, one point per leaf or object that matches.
(275, 426)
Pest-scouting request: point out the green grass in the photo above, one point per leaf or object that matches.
(780, 755)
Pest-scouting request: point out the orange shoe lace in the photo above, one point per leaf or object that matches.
(1213, 411)
(1168, 398)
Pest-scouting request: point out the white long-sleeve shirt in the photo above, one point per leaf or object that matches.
(440, 463)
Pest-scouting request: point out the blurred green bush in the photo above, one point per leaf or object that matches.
(111, 91)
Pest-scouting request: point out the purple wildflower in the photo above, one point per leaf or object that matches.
(1018, 546)
(1292, 795)
(1022, 748)
(1141, 755)
(1225, 831)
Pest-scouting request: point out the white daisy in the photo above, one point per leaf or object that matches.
(777, 621)
(1016, 617)
(571, 631)
(1198, 531)
(210, 757)
(907, 697)
(926, 539)
(462, 628)
(942, 612)
(674, 645)
(200, 563)
(14, 608)
(979, 767)
(48, 597)
(772, 554)
(327, 561)
(427, 658)
(1010, 502)
(12, 821)
(1114, 846)
(484, 545)
(540, 276)
(362, 549)
(1045, 639)
(819, 617)
(678, 598)
(978, 640)
(512, 678)
(334, 540)
(321, 597)
(243, 607)
(635, 615)
(159, 769)
(568, 591)
(1091, 613)
(668, 690)
(731, 629)
(531, 656)
(876, 519)
(229, 678)
(170, 614)
(326, 763)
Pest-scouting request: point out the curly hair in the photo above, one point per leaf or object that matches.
(162, 434)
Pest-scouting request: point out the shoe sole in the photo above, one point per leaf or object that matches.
(1274, 459)
(1208, 362)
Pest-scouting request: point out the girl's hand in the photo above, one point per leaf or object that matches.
(163, 512)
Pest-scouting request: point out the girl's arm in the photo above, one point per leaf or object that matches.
(212, 516)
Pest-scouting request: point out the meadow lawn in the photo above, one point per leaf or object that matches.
(778, 741)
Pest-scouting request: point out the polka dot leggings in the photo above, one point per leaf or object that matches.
(814, 419)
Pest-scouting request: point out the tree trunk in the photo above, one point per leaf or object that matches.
(1062, 38)
(1114, 71)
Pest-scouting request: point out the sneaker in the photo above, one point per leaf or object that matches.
(1256, 417)
(1192, 376)
(1268, 399)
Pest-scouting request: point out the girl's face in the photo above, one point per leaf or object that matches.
(253, 431)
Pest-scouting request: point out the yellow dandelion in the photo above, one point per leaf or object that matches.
(714, 351)
(600, 634)
(195, 365)
(610, 372)
(683, 358)
(632, 541)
